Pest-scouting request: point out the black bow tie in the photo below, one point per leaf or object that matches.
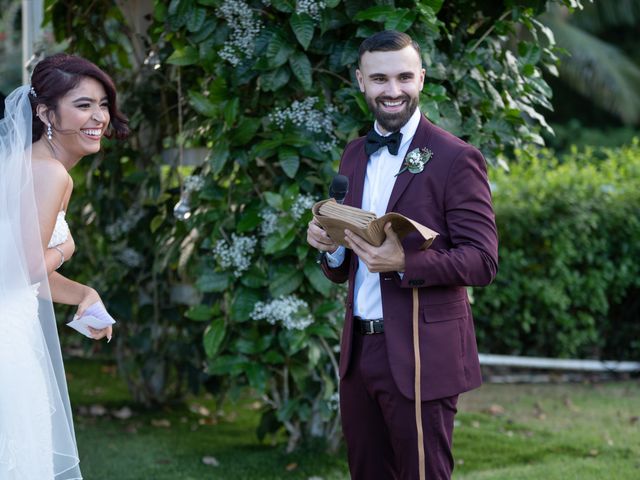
(375, 142)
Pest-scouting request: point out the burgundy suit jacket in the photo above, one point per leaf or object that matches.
(451, 196)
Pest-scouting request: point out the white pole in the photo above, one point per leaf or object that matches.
(32, 17)
(559, 363)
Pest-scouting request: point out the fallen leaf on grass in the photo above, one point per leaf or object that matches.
(633, 420)
(124, 413)
(593, 452)
(291, 467)
(211, 461)
(207, 421)
(495, 410)
(160, 423)
(569, 404)
(200, 410)
(97, 410)
(475, 424)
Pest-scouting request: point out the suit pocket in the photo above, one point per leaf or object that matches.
(444, 311)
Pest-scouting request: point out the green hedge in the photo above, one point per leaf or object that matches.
(569, 278)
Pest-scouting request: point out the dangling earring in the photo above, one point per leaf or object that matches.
(49, 132)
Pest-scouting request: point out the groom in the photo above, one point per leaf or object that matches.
(408, 345)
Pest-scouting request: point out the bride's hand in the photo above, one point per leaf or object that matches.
(89, 299)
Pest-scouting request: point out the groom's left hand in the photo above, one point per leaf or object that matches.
(388, 257)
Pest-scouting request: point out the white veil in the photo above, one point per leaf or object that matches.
(30, 358)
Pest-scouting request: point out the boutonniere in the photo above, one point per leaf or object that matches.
(416, 160)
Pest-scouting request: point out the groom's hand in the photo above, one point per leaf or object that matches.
(318, 238)
(388, 257)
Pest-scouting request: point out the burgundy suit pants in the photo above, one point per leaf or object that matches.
(379, 423)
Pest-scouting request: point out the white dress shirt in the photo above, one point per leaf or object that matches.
(378, 185)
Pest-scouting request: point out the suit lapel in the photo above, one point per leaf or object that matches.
(359, 173)
(403, 180)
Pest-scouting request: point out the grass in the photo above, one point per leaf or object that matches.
(548, 432)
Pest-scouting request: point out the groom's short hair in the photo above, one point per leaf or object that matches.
(387, 41)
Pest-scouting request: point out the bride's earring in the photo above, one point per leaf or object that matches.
(49, 132)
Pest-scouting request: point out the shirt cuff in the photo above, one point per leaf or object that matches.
(335, 259)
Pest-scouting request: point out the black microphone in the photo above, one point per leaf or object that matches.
(338, 191)
(338, 188)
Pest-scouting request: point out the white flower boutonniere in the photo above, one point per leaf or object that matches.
(416, 160)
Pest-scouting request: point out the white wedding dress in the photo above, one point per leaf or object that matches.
(37, 440)
(29, 398)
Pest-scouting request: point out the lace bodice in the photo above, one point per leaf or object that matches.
(60, 231)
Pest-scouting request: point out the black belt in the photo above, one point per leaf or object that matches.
(369, 327)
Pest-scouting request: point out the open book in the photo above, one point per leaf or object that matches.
(335, 218)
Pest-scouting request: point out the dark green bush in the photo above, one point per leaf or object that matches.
(569, 274)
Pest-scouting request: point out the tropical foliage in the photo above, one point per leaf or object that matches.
(223, 291)
(569, 275)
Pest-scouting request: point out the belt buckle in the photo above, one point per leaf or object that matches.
(369, 330)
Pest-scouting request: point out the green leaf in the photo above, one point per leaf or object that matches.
(228, 365)
(301, 68)
(243, 304)
(400, 20)
(254, 278)
(218, 91)
(250, 220)
(213, 337)
(276, 243)
(156, 223)
(213, 282)
(195, 18)
(244, 131)
(302, 26)
(273, 357)
(219, 155)
(317, 279)
(286, 6)
(274, 200)
(202, 104)
(200, 313)
(434, 5)
(272, 81)
(289, 161)
(278, 51)
(377, 14)
(231, 111)
(257, 376)
(184, 56)
(285, 282)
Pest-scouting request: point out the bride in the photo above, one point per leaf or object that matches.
(47, 128)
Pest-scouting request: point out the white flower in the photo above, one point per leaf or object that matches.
(310, 7)
(236, 256)
(269, 222)
(303, 114)
(193, 183)
(415, 160)
(290, 311)
(334, 402)
(301, 205)
(244, 30)
(130, 257)
(125, 223)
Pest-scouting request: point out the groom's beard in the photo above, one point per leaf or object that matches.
(392, 122)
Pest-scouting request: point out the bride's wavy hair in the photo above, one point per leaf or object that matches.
(54, 76)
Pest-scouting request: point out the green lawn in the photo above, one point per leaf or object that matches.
(504, 432)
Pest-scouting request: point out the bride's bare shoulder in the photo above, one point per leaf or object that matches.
(49, 170)
(51, 182)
